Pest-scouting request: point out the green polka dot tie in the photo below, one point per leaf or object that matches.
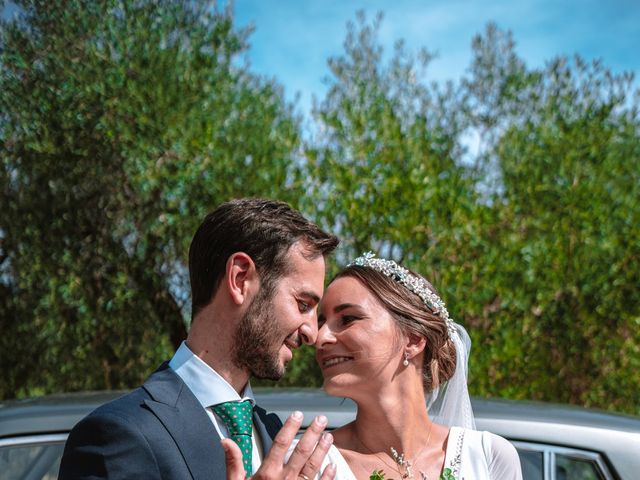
(237, 417)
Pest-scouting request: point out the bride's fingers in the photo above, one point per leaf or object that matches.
(233, 460)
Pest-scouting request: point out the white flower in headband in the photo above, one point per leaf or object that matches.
(413, 283)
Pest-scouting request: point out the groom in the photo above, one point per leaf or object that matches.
(257, 274)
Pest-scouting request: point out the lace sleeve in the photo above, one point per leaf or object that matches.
(504, 462)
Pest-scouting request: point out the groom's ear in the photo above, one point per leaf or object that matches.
(241, 277)
(414, 344)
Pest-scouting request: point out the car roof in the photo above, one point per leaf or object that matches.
(59, 412)
(554, 413)
(50, 413)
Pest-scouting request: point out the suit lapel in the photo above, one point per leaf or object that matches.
(187, 422)
(261, 430)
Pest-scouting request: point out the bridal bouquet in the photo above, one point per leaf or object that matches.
(404, 469)
(447, 474)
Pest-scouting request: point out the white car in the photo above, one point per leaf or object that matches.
(554, 442)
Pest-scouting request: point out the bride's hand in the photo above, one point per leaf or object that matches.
(304, 462)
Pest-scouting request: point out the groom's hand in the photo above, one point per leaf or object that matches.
(304, 462)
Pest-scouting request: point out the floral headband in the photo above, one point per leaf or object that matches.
(404, 277)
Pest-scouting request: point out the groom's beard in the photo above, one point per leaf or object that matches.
(257, 339)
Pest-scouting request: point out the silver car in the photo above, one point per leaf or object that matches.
(554, 442)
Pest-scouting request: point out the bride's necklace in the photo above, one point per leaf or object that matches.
(402, 466)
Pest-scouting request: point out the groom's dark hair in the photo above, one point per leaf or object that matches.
(263, 229)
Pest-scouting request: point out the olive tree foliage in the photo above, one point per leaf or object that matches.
(122, 123)
(385, 161)
(530, 231)
(562, 251)
(514, 190)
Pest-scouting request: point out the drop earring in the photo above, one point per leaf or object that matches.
(406, 359)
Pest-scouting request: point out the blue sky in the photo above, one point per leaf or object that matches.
(294, 38)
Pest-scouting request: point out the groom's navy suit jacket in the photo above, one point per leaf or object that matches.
(158, 431)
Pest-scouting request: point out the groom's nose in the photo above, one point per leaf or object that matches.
(309, 331)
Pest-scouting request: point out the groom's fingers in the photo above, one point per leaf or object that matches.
(310, 451)
(233, 460)
(306, 458)
(329, 472)
(274, 460)
(312, 466)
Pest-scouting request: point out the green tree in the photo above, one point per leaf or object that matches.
(563, 250)
(531, 235)
(122, 123)
(385, 163)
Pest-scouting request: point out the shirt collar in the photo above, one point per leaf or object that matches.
(203, 381)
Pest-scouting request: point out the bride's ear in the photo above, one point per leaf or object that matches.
(414, 344)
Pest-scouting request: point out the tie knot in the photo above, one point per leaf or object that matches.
(236, 416)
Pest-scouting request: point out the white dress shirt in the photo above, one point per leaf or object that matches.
(210, 389)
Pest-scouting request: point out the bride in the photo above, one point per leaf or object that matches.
(386, 341)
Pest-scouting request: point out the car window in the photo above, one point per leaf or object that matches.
(532, 463)
(571, 468)
(554, 462)
(31, 458)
